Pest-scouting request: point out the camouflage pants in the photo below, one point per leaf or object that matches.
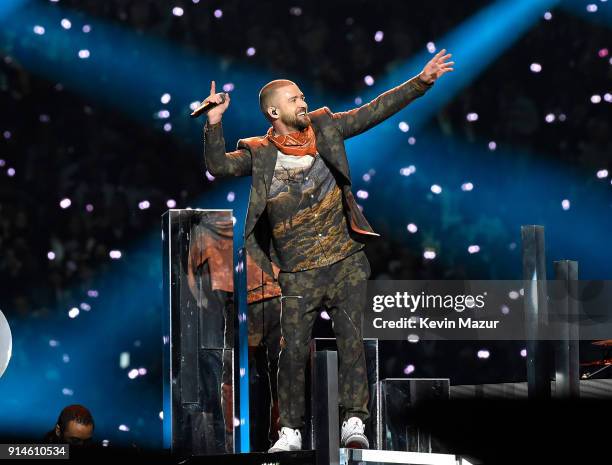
(341, 289)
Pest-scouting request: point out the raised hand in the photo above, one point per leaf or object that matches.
(214, 115)
(437, 66)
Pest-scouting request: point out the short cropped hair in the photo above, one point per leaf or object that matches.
(267, 92)
(76, 413)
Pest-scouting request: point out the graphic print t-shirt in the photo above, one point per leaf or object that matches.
(309, 227)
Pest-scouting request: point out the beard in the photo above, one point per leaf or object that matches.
(295, 121)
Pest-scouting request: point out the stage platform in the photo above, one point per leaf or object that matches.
(599, 389)
(347, 457)
(383, 457)
(304, 457)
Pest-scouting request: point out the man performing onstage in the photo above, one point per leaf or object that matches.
(303, 217)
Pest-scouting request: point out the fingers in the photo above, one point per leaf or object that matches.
(220, 98)
(437, 55)
(440, 56)
(441, 60)
(438, 64)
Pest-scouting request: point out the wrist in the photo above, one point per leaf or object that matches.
(424, 80)
(211, 121)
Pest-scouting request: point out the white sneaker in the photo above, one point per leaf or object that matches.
(352, 434)
(288, 439)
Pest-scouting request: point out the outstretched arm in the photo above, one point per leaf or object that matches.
(353, 122)
(217, 161)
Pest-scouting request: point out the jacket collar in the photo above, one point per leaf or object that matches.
(269, 156)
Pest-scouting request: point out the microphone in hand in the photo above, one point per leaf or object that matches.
(206, 106)
(212, 101)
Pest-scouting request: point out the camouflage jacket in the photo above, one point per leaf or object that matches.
(256, 156)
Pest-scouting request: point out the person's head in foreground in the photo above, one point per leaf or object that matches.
(75, 426)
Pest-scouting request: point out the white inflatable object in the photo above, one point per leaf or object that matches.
(6, 343)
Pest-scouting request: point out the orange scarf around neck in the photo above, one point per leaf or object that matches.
(298, 143)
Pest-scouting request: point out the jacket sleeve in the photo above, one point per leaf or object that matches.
(353, 122)
(220, 163)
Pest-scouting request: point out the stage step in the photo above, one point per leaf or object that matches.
(303, 457)
(589, 389)
(397, 397)
(381, 457)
